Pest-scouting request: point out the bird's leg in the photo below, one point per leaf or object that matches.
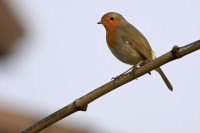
(114, 78)
(137, 66)
(130, 69)
(141, 63)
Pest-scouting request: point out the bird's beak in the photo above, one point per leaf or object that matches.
(100, 22)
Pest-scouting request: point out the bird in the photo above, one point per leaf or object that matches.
(128, 44)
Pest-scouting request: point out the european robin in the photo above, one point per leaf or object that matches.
(127, 43)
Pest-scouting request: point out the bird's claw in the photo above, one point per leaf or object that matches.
(134, 68)
(115, 78)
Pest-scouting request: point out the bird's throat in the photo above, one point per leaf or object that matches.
(111, 37)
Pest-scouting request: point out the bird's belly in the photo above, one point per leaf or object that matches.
(127, 54)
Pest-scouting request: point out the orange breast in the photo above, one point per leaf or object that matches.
(111, 38)
(111, 32)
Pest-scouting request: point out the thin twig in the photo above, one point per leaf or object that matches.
(81, 103)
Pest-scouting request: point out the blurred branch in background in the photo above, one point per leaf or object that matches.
(10, 30)
(11, 122)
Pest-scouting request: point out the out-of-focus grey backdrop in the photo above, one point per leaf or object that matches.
(63, 55)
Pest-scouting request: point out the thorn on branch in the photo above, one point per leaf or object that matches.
(175, 50)
(78, 107)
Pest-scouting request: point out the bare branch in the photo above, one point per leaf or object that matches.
(82, 102)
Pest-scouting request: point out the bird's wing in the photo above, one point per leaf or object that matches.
(137, 41)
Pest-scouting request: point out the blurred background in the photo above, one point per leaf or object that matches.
(54, 52)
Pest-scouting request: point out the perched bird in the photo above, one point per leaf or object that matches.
(127, 43)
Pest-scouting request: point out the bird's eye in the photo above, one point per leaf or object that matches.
(112, 18)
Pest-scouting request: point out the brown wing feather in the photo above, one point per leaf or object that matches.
(138, 41)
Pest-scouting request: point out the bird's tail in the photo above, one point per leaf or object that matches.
(159, 70)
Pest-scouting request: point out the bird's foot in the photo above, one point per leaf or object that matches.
(115, 78)
(132, 69)
(136, 67)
